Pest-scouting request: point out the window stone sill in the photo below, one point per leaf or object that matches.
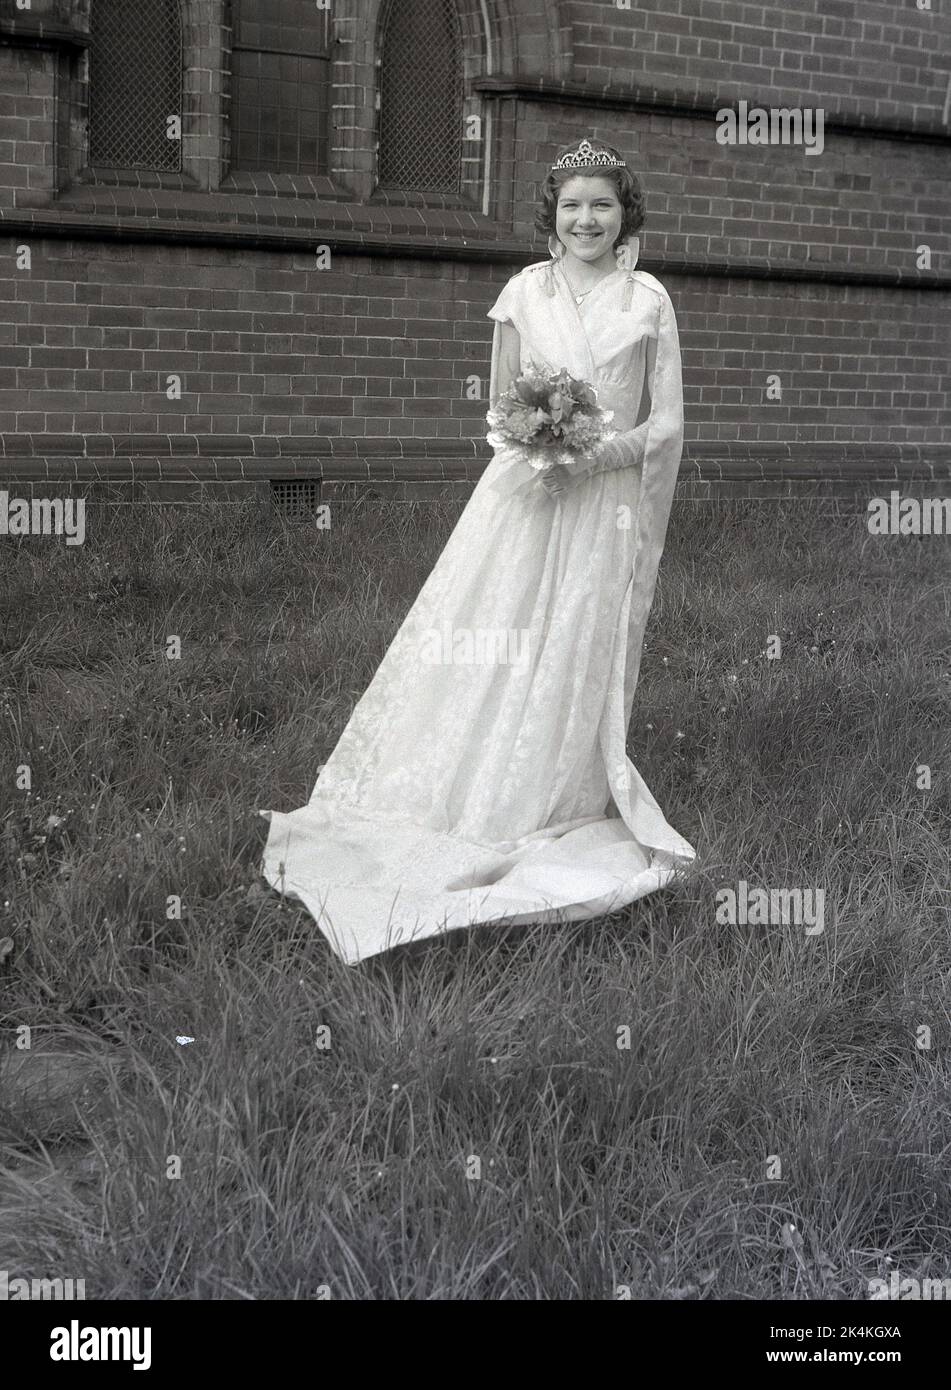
(37, 32)
(188, 215)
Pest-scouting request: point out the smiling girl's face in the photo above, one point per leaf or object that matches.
(588, 219)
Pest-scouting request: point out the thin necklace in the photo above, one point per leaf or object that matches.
(581, 296)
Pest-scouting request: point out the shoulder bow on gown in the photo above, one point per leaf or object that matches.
(483, 776)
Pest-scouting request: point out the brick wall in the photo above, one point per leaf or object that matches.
(264, 343)
(27, 128)
(778, 263)
(868, 57)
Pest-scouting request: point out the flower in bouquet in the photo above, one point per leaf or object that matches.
(548, 417)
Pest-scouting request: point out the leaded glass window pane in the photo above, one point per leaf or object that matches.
(135, 83)
(280, 75)
(420, 96)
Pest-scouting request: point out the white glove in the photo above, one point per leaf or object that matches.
(623, 451)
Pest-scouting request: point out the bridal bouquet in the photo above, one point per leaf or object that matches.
(547, 418)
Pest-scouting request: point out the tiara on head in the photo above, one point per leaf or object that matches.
(587, 157)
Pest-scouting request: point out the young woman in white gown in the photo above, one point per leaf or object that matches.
(483, 776)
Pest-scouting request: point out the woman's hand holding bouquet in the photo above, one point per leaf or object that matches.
(546, 422)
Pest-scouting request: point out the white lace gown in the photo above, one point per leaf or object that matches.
(483, 775)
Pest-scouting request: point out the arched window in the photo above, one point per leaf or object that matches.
(135, 83)
(280, 84)
(420, 67)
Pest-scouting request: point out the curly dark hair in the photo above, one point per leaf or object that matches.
(627, 186)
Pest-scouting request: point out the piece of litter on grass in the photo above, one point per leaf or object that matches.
(182, 1040)
(791, 1237)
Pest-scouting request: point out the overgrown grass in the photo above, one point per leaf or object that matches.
(353, 1166)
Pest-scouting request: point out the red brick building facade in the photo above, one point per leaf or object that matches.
(252, 240)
